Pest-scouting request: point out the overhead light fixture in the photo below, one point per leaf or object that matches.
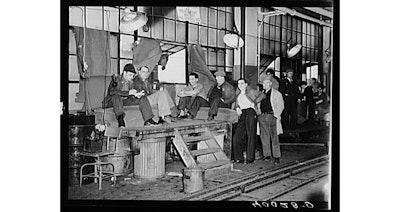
(233, 39)
(292, 49)
(132, 21)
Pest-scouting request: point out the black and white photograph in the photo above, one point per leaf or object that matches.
(199, 106)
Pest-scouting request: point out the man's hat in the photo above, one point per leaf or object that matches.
(289, 70)
(220, 73)
(129, 67)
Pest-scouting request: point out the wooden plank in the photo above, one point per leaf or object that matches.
(204, 151)
(212, 143)
(216, 171)
(213, 164)
(183, 150)
(193, 139)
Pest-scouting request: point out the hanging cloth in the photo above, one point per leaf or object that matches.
(199, 66)
(146, 53)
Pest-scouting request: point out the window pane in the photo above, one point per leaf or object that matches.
(213, 18)
(180, 32)
(212, 57)
(111, 19)
(94, 17)
(73, 88)
(284, 35)
(266, 31)
(113, 46)
(284, 21)
(204, 15)
(261, 46)
(289, 22)
(277, 33)
(76, 16)
(203, 35)
(312, 29)
(169, 12)
(221, 20)
(205, 54)
(126, 46)
(299, 25)
(193, 33)
(298, 37)
(277, 48)
(169, 30)
(220, 38)
(272, 20)
(73, 69)
(221, 58)
(271, 47)
(229, 21)
(312, 42)
(157, 28)
(122, 64)
(72, 42)
(229, 9)
(212, 37)
(221, 8)
(266, 46)
(229, 57)
(271, 32)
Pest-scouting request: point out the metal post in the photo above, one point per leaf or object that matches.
(242, 50)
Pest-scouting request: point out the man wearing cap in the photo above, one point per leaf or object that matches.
(271, 107)
(121, 93)
(291, 96)
(221, 94)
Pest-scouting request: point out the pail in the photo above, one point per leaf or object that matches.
(150, 163)
(122, 163)
(193, 180)
(124, 145)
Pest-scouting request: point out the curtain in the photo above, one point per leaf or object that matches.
(199, 66)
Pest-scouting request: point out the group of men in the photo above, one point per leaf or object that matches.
(130, 88)
(263, 106)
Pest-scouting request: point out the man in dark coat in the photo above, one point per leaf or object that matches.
(221, 94)
(291, 95)
(121, 93)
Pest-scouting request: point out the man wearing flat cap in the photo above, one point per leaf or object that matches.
(221, 94)
(271, 107)
(121, 93)
(291, 95)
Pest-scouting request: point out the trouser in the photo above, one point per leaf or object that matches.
(269, 136)
(245, 130)
(192, 104)
(310, 113)
(163, 101)
(117, 104)
(216, 103)
(290, 113)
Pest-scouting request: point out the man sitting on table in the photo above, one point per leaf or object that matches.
(160, 98)
(192, 97)
(121, 93)
(221, 94)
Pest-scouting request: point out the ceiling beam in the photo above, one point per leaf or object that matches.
(320, 11)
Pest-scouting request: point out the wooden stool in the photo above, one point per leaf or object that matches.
(98, 172)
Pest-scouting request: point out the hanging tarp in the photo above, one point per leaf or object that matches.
(147, 53)
(199, 66)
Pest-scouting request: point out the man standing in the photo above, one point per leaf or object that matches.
(160, 98)
(271, 107)
(192, 97)
(308, 94)
(291, 95)
(246, 130)
(121, 93)
(221, 94)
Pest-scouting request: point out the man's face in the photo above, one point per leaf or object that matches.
(128, 75)
(242, 85)
(267, 84)
(220, 80)
(289, 74)
(144, 72)
(193, 80)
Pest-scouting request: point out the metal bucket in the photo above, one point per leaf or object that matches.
(124, 145)
(150, 163)
(193, 180)
(122, 163)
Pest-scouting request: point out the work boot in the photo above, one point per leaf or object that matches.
(121, 122)
(210, 118)
(150, 122)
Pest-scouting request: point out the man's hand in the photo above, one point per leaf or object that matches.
(132, 92)
(239, 111)
(139, 94)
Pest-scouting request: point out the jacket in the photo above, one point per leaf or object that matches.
(115, 88)
(139, 85)
(277, 107)
(253, 95)
(228, 92)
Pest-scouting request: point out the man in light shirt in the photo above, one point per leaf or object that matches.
(192, 97)
(246, 107)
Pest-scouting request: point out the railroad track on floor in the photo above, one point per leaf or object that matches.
(299, 173)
